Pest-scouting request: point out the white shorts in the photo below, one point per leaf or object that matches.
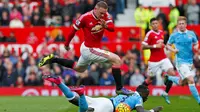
(89, 55)
(185, 70)
(156, 68)
(100, 104)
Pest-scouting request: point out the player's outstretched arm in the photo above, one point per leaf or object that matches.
(145, 46)
(156, 109)
(70, 37)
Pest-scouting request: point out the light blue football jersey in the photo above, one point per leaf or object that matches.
(133, 100)
(183, 41)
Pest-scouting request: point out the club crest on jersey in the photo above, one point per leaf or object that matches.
(97, 28)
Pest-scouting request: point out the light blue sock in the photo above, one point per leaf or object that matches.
(194, 92)
(83, 106)
(67, 92)
(174, 79)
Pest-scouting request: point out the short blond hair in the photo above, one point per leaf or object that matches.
(182, 18)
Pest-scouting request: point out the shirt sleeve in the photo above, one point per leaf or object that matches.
(108, 18)
(147, 39)
(139, 102)
(79, 23)
(171, 39)
(194, 38)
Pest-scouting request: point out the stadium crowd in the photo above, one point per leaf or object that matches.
(26, 13)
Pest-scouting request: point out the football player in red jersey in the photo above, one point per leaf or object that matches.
(158, 61)
(93, 24)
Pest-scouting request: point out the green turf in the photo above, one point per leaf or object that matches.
(60, 104)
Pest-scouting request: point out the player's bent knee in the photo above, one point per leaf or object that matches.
(190, 80)
(75, 101)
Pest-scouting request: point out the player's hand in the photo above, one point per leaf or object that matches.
(176, 51)
(158, 109)
(103, 23)
(159, 45)
(67, 48)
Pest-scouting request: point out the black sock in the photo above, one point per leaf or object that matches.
(118, 78)
(168, 85)
(64, 62)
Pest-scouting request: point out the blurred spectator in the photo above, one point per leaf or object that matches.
(2, 37)
(5, 18)
(132, 36)
(173, 16)
(36, 20)
(67, 22)
(149, 14)
(197, 78)
(48, 20)
(56, 8)
(106, 79)
(119, 38)
(60, 37)
(6, 53)
(32, 68)
(68, 9)
(11, 38)
(2, 71)
(140, 17)
(15, 14)
(135, 51)
(10, 76)
(193, 13)
(137, 78)
(89, 5)
(197, 60)
(18, 6)
(32, 80)
(57, 70)
(20, 69)
(94, 73)
(180, 7)
(119, 51)
(163, 18)
(48, 38)
(26, 21)
(32, 39)
(19, 82)
(85, 79)
(16, 23)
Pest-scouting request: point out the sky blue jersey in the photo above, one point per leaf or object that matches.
(183, 41)
(133, 100)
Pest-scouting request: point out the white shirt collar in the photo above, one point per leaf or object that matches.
(182, 32)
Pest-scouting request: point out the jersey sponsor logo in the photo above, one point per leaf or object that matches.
(96, 29)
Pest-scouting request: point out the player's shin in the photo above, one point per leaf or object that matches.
(64, 62)
(83, 105)
(194, 92)
(174, 79)
(117, 76)
(168, 85)
(67, 92)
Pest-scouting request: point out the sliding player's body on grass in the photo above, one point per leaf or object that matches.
(125, 103)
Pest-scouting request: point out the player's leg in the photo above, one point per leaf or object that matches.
(186, 71)
(101, 56)
(152, 71)
(193, 88)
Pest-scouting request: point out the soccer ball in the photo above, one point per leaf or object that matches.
(122, 107)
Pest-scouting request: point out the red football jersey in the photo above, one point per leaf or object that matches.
(93, 31)
(152, 38)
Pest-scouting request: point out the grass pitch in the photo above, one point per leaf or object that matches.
(60, 104)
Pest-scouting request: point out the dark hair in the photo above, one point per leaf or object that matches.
(102, 4)
(153, 19)
(142, 88)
